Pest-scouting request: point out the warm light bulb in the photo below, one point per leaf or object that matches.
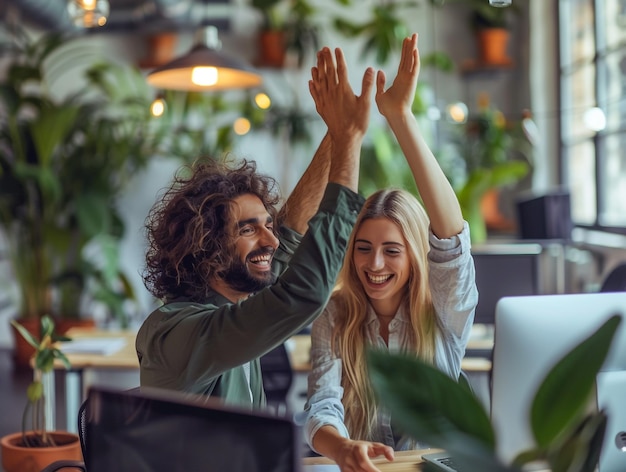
(88, 13)
(457, 112)
(204, 76)
(241, 126)
(263, 101)
(157, 108)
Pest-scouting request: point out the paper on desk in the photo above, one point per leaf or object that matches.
(320, 468)
(102, 346)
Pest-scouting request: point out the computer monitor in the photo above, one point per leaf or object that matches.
(532, 334)
(505, 270)
(156, 430)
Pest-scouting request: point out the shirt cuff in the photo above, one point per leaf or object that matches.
(444, 250)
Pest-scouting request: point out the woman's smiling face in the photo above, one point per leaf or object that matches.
(382, 262)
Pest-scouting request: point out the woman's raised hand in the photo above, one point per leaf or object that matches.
(399, 97)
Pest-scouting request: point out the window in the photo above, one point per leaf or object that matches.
(593, 110)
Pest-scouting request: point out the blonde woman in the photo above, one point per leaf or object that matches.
(407, 284)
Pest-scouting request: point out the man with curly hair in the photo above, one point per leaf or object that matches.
(235, 276)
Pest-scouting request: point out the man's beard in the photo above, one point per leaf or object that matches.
(240, 279)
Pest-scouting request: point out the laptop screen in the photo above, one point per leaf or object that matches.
(157, 430)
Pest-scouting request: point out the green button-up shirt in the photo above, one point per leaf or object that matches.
(202, 347)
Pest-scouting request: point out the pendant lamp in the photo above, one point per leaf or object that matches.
(204, 68)
(88, 13)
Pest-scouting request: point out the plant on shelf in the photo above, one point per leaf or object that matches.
(483, 15)
(491, 25)
(35, 447)
(288, 26)
(435, 409)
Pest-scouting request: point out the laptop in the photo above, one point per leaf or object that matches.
(155, 430)
(441, 461)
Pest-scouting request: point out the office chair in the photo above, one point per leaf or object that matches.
(277, 378)
(82, 429)
(615, 281)
(82, 435)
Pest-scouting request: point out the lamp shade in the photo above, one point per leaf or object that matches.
(204, 68)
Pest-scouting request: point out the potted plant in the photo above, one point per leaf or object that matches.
(491, 153)
(491, 26)
(435, 409)
(62, 162)
(35, 447)
(287, 26)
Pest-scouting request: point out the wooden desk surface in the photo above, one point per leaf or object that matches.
(405, 461)
(299, 348)
(125, 358)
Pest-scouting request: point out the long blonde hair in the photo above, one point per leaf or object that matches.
(349, 334)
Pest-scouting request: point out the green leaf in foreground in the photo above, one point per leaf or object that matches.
(565, 392)
(433, 408)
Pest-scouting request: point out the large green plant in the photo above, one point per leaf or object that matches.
(435, 409)
(62, 162)
(65, 160)
(46, 352)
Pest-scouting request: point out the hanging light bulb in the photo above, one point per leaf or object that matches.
(204, 68)
(88, 13)
(158, 106)
(457, 112)
(242, 126)
(262, 100)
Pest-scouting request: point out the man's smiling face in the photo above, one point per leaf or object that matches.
(254, 246)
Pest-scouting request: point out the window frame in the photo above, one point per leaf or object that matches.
(572, 62)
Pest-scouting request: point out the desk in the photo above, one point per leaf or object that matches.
(405, 461)
(299, 349)
(477, 368)
(125, 359)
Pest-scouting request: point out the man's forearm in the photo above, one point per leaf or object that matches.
(307, 194)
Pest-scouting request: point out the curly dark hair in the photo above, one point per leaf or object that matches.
(190, 230)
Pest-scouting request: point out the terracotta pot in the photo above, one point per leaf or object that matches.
(160, 49)
(492, 46)
(64, 325)
(272, 48)
(16, 458)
